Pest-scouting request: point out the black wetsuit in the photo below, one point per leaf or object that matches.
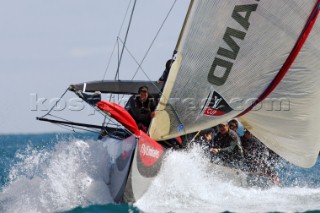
(231, 152)
(164, 75)
(141, 111)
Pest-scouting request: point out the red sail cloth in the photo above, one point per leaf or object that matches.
(120, 114)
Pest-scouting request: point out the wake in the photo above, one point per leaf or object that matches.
(188, 183)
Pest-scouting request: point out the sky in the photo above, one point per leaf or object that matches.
(47, 45)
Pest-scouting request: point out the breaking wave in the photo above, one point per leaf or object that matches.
(71, 174)
(188, 183)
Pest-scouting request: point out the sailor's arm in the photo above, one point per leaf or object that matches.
(235, 141)
(230, 148)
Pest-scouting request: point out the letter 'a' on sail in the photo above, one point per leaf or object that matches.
(229, 54)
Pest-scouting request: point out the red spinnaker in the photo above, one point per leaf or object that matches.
(120, 114)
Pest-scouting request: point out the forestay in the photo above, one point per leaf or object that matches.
(228, 55)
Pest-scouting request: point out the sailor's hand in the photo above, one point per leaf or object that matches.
(152, 114)
(215, 150)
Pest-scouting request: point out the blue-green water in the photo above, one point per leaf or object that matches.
(65, 173)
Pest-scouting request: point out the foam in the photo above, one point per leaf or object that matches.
(72, 174)
(188, 183)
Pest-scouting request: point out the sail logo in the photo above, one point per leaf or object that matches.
(149, 151)
(222, 64)
(217, 106)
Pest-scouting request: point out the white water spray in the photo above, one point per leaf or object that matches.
(72, 174)
(189, 183)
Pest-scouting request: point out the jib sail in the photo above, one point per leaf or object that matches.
(231, 55)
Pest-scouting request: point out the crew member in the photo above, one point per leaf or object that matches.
(228, 146)
(141, 107)
(205, 140)
(165, 73)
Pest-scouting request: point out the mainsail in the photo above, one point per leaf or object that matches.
(229, 54)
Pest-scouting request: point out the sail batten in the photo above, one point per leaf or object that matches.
(229, 54)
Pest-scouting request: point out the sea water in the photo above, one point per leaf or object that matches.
(66, 173)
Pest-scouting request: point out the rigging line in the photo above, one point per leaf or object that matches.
(73, 128)
(124, 17)
(62, 119)
(79, 128)
(135, 60)
(63, 127)
(125, 38)
(104, 120)
(109, 61)
(110, 121)
(56, 103)
(157, 34)
(139, 67)
(115, 43)
(150, 46)
(118, 56)
(96, 109)
(159, 90)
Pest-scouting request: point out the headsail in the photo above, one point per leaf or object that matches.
(228, 55)
(290, 125)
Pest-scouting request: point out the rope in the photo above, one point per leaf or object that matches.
(194, 137)
(147, 52)
(149, 48)
(158, 32)
(115, 43)
(56, 103)
(125, 39)
(121, 55)
(175, 113)
(72, 128)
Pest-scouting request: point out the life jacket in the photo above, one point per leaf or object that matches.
(141, 111)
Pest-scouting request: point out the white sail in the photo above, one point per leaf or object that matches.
(228, 55)
(289, 120)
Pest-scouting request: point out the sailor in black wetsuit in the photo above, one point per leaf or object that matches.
(228, 146)
(141, 107)
(165, 73)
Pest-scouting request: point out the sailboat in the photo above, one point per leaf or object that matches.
(254, 60)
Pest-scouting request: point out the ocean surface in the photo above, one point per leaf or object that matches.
(65, 173)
